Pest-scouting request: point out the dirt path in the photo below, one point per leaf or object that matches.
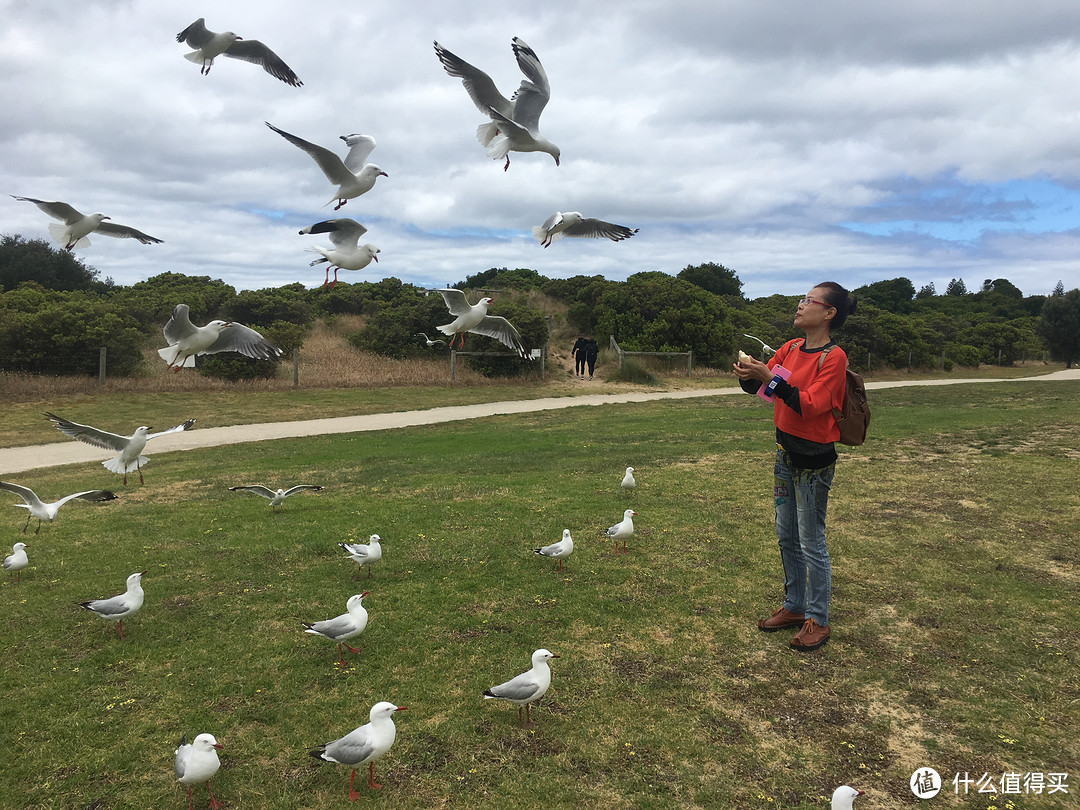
(20, 459)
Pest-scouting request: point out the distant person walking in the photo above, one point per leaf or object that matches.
(579, 356)
(805, 457)
(591, 351)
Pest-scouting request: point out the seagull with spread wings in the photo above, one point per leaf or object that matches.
(128, 448)
(515, 122)
(352, 175)
(346, 254)
(474, 318)
(574, 225)
(187, 340)
(47, 511)
(209, 45)
(78, 226)
(278, 496)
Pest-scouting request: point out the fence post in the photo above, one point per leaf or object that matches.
(296, 367)
(689, 362)
(101, 365)
(453, 360)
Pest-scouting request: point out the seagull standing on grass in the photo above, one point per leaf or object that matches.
(346, 253)
(209, 45)
(47, 511)
(527, 687)
(843, 798)
(628, 481)
(128, 448)
(196, 762)
(187, 340)
(16, 560)
(474, 318)
(365, 744)
(352, 175)
(77, 226)
(119, 607)
(343, 627)
(515, 122)
(363, 554)
(277, 497)
(558, 551)
(622, 530)
(572, 224)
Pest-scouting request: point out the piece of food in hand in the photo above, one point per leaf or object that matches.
(744, 358)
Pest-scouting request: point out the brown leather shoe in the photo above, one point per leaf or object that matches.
(780, 620)
(810, 637)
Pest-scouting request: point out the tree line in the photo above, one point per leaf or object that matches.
(55, 310)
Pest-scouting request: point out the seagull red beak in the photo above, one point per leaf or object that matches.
(219, 745)
(376, 258)
(365, 593)
(401, 708)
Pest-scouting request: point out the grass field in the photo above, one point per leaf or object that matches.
(955, 572)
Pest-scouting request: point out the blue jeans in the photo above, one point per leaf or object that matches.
(801, 497)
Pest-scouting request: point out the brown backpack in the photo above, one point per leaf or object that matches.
(854, 417)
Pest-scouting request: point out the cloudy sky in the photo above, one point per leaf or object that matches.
(790, 141)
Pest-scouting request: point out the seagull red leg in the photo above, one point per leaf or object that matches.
(507, 166)
(353, 795)
(139, 468)
(27, 526)
(120, 628)
(371, 777)
(189, 798)
(214, 803)
(327, 279)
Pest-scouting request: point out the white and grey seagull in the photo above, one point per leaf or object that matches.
(77, 226)
(527, 687)
(766, 349)
(346, 254)
(47, 511)
(474, 318)
(431, 344)
(364, 744)
(127, 448)
(209, 45)
(186, 340)
(352, 175)
(622, 530)
(342, 628)
(574, 225)
(118, 608)
(196, 762)
(515, 122)
(16, 561)
(364, 553)
(558, 551)
(277, 496)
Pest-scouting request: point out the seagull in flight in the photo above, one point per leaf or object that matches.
(47, 511)
(78, 226)
(431, 344)
(574, 225)
(474, 318)
(346, 253)
(766, 349)
(208, 45)
(128, 448)
(352, 175)
(187, 340)
(277, 497)
(515, 122)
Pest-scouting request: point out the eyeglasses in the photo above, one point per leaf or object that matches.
(808, 300)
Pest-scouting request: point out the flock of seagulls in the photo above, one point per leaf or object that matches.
(513, 126)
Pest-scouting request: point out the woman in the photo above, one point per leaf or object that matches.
(579, 356)
(805, 457)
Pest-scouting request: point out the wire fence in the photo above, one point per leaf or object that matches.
(668, 355)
